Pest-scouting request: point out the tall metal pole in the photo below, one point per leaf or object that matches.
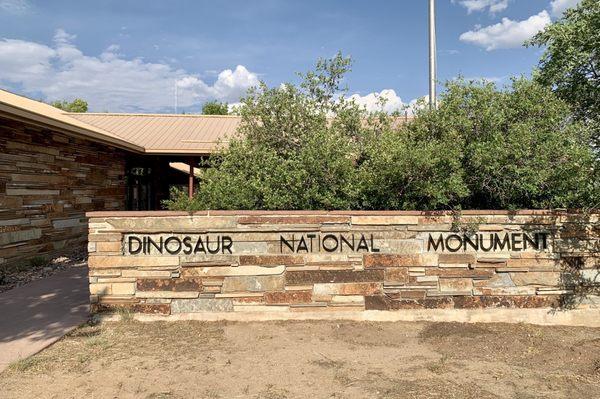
(176, 96)
(432, 56)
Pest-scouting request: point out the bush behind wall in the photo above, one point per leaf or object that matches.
(306, 147)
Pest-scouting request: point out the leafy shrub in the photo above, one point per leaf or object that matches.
(308, 147)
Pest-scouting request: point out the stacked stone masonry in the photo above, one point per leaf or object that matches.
(48, 181)
(220, 261)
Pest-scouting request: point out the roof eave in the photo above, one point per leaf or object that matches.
(191, 152)
(23, 115)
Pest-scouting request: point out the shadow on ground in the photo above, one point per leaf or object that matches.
(44, 309)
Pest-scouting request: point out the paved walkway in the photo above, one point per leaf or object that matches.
(36, 315)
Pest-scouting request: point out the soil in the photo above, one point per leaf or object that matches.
(38, 268)
(272, 360)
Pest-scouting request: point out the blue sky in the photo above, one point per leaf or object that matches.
(128, 56)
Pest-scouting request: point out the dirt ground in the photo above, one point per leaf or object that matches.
(312, 360)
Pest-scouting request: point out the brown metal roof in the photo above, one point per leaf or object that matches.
(144, 133)
(166, 134)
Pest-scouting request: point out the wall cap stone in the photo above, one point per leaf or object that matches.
(105, 214)
(540, 316)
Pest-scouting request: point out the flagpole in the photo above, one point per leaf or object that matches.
(432, 57)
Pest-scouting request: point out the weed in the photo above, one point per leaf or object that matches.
(37, 261)
(125, 313)
(24, 364)
(440, 366)
(98, 342)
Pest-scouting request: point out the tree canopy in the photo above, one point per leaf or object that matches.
(77, 105)
(307, 146)
(570, 64)
(215, 108)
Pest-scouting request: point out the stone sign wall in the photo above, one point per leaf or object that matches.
(219, 261)
(48, 180)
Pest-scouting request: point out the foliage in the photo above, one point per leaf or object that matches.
(308, 147)
(571, 60)
(77, 105)
(518, 147)
(215, 108)
(288, 155)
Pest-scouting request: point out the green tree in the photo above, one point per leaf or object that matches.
(570, 64)
(215, 108)
(307, 147)
(518, 147)
(288, 154)
(77, 105)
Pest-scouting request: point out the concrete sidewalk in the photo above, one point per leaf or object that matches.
(36, 315)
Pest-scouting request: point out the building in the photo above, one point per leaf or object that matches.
(55, 166)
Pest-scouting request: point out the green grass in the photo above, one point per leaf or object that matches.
(24, 364)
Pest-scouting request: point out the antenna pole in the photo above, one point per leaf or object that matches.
(176, 96)
(432, 57)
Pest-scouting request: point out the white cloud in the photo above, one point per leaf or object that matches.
(110, 81)
(493, 6)
(387, 100)
(508, 33)
(558, 7)
(14, 6)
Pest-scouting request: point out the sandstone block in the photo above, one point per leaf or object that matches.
(173, 223)
(114, 280)
(132, 261)
(260, 308)
(100, 289)
(123, 288)
(536, 278)
(253, 283)
(232, 271)
(298, 220)
(325, 291)
(178, 284)
(455, 284)
(332, 276)
(497, 280)
(105, 246)
(166, 294)
(94, 237)
(427, 279)
(19, 235)
(387, 245)
(504, 291)
(31, 191)
(134, 273)
(410, 294)
(200, 305)
(240, 295)
(385, 220)
(105, 273)
(348, 300)
(392, 260)
(532, 263)
(288, 297)
(271, 260)
(478, 273)
(397, 275)
(457, 258)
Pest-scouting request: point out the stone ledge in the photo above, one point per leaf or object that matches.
(539, 316)
(524, 212)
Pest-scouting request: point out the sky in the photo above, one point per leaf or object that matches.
(160, 56)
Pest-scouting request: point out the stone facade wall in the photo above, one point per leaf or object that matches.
(219, 261)
(48, 180)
